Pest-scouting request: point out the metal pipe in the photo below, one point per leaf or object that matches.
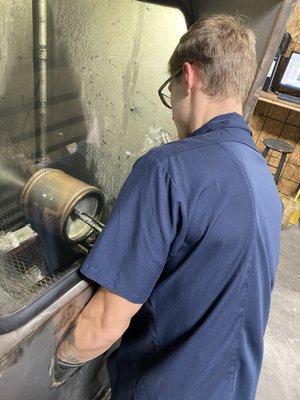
(83, 249)
(39, 19)
(87, 219)
(97, 221)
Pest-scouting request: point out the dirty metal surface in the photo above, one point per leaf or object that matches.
(26, 356)
(12, 240)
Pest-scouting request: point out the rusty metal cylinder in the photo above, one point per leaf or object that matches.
(50, 197)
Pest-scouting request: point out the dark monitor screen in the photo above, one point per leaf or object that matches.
(291, 76)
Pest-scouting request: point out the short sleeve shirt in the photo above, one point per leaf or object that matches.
(194, 237)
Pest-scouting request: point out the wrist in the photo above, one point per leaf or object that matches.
(68, 354)
(66, 364)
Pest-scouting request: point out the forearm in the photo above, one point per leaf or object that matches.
(101, 323)
(83, 342)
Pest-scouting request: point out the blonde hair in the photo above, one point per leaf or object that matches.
(223, 47)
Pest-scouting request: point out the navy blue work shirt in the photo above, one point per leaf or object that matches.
(194, 235)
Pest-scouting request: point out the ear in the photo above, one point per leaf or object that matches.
(190, 73)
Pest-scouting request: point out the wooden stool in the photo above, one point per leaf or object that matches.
(280, 146)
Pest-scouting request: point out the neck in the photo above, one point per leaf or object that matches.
(205, 109)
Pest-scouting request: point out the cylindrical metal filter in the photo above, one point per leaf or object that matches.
(50, 198)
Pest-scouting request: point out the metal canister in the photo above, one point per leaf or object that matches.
(51, 198)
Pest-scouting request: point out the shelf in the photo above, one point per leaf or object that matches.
(273, 99)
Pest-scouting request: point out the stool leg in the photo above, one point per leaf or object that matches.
(265, 152)
(279, 168)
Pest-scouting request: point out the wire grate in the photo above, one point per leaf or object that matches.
(23, 277)
(11, 216)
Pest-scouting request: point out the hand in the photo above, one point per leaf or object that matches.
(66, 363)
(64, 370)
(67, 350)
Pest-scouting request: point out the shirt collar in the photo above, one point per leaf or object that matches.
(229, 127)
(232, 120)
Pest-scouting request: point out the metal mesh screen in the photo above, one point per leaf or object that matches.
(11, 216)
(22, 277)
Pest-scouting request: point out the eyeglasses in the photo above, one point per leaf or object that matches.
(166, 99)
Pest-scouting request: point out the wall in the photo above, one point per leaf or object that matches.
(270, 121)
(116, 54)
(106, 60)
(16, 86)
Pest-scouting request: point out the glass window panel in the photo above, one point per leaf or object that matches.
(105, 61)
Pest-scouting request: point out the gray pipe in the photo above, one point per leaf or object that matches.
(39, 19)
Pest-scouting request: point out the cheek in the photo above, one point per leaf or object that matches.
(177, 99)
(178, 108)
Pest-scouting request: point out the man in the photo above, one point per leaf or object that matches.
(187, 260)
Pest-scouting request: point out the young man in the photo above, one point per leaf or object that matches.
(187, 260)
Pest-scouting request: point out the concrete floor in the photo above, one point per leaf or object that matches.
(280, 376)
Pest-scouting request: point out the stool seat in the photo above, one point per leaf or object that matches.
(278, 145)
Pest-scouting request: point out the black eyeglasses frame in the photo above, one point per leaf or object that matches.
(160, 90)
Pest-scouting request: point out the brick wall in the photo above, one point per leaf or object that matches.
(278, 122)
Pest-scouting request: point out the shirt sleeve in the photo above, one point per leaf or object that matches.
(129, 255)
